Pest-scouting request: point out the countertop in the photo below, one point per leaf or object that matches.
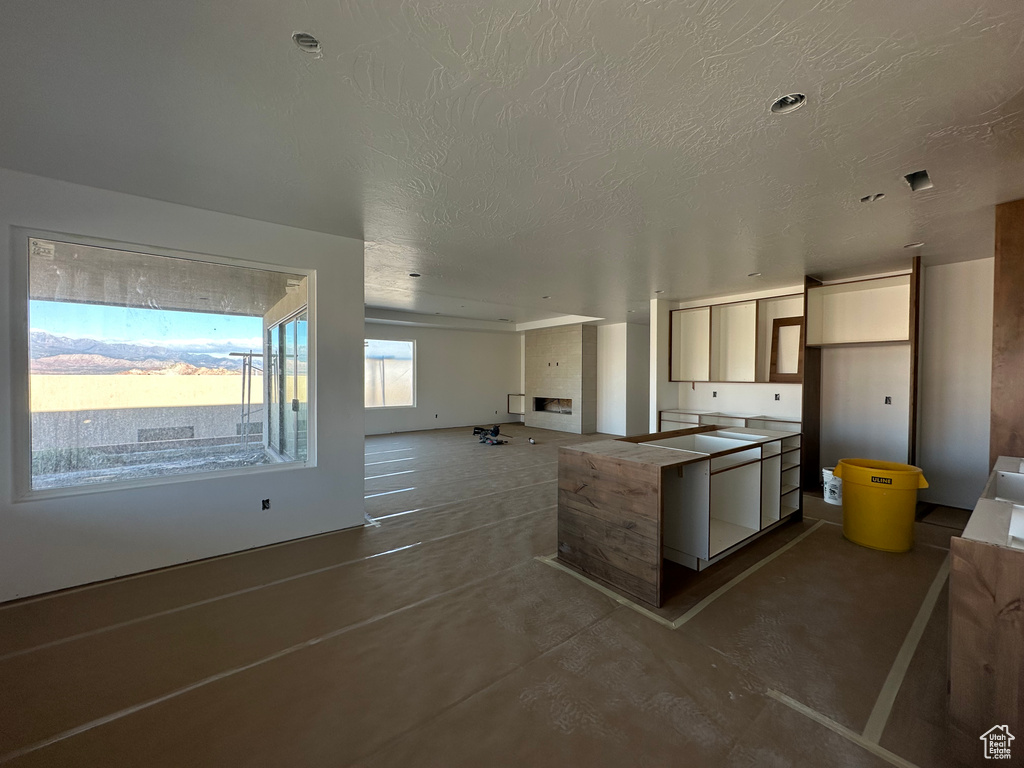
(657, 456)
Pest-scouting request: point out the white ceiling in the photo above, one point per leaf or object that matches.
(512, 149)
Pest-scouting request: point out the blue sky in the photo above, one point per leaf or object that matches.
(378, 348)
(186, 331)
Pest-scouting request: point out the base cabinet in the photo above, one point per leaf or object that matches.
(711, 507)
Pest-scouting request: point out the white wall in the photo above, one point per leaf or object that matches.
(638, 384)
(61, 542)
(463, 378)
(744, 399)
(623, 378)
(611, 379)
(855, 422)
(955, 378)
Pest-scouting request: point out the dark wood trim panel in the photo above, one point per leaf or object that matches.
(785, 378)
(915, 332)
(810, 416)
(1006, 430)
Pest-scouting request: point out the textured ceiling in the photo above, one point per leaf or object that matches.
(590, 151)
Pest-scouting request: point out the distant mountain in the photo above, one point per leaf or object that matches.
(98, 364)
(92, 356)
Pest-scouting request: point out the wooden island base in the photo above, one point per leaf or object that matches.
(690, 495)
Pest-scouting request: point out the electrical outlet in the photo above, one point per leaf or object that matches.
(266, 504)
(714, 393)
(888, 400)
(778, 396)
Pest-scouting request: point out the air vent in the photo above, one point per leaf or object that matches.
(872, 198)
(919, 180)
(306, 42)
(788, 103)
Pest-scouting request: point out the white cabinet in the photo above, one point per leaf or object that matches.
(713, 505)
(859, 312)
(690, 344)
(735, 341)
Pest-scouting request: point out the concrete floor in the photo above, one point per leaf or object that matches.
(436, 636)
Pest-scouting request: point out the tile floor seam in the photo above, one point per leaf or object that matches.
(882, 710)
(326, 637)
(462, 501)
(838, 728)
(696, 609)
(468, 477)
(255, 588)
(467, 697)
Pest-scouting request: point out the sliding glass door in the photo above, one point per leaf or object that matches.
(287, 379)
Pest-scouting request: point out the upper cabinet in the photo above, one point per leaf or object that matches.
(690, 344)
(734, 341)
(743, 341)
(859, 312)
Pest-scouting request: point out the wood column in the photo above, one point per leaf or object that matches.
(915, 337)
(1006, 433)
(810, 413)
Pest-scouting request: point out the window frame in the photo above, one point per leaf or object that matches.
(415, 381)
(20, 406)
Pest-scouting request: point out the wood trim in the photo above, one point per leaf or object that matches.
(671, 433)
(671, 345)
(888, 343)
(785, 378)
(821, 284)
(1006, 427)
(810, 415)
(915, 311)
(758, 354)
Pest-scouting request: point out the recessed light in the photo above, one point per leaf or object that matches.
(414, 274)
(913, 245)
(306, 42)
(872, 198)
(788, 103)
(754, 274)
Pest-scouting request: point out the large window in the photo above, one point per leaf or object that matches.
(389, 373)
(143, 365)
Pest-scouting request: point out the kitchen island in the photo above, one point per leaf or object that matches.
(692, 496)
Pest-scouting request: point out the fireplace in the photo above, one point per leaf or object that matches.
(561, 405)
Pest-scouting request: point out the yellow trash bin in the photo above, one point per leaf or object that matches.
(879, 502)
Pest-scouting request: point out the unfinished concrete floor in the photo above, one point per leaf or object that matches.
(436, 636)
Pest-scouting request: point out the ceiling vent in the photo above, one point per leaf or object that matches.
(788, 103)
(919, 180)
(306, 42)
(872, 198)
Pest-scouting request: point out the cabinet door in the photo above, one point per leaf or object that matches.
(734, 341)
(690, 348)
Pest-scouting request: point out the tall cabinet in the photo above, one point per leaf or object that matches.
(860, 370)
